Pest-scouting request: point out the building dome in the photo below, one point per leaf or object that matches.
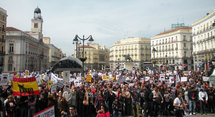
(37, 10)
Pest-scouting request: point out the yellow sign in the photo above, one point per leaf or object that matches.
(89, 78)
(50, 83)
(26, 72)
(103, 76)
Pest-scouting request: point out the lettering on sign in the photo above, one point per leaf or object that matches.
(24, 90)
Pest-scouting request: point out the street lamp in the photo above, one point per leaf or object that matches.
(90, 38)
(76, 48)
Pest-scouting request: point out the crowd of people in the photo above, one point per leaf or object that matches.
(117, 98)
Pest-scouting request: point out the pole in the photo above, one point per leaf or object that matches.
(83, 55)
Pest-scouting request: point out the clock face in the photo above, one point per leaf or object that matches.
(35, 25)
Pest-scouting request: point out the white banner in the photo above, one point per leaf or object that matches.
(48, 112)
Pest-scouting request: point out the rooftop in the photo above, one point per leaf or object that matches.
(12, 29)
(173, 30)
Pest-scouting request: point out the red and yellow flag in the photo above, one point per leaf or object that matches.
(25, 86)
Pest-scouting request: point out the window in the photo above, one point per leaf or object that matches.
(10, 59)
(10, 67)
(3, 28)
(184, 37)
(184, 44)
(11, 48)
(35, 25)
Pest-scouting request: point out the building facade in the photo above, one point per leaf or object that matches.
(137, 48)
(203, 31)
(97, 56)
(3, 24)
(173, 48)
(24, 52)
(55, 54)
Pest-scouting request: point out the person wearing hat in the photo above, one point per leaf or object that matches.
(10, 107)
(203, 98)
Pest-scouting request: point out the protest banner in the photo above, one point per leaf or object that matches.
(183, 79)
(38, 80)
(48, 112)
(25, 86)
(4, 79)
(60, 83)
(204, 78)
(66, 76)
(88, 78)
(53, 88)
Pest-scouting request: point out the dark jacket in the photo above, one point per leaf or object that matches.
(191, 94)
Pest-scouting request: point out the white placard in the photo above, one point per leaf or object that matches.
(204, 78)
(171, 79)
(4, 79)
(147, 78)
(183, 79)
(66, 76)
(162, 77)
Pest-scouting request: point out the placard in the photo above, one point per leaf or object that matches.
(183, 79)
(48, 112)
(88, 78)
(4, 79)
(66, 76)
(204, 78)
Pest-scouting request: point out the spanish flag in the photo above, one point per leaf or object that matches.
(25, 86)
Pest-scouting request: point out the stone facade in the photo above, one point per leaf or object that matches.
(3, 23)
(97, 56)
(203, 31)
(173, 48)
(137, 48)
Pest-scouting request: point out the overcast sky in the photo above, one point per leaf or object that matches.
(106, 20)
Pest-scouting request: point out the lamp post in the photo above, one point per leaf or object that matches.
(90, 38)
(76, 48)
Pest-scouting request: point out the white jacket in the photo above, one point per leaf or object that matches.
(202, 95)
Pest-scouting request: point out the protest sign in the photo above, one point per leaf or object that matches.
(204, 78)
(50, 83)
(162, 77)
(53, 88)
(4, 79)
(25, 86)
(186, 73)
(88, 78)
(27, 72)
(48, 112)
(147, 78)
(103, 76)
(183, 79)
(171, 80)
(66, 76)
(38, 80)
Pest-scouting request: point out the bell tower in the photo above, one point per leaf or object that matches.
(37, 24)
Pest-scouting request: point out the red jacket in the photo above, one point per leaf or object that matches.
(107, 114)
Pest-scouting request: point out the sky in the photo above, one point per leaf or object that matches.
(108, 21)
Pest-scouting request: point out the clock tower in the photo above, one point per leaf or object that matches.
(37, 24)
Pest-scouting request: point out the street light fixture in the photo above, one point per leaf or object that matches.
(90, 38)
